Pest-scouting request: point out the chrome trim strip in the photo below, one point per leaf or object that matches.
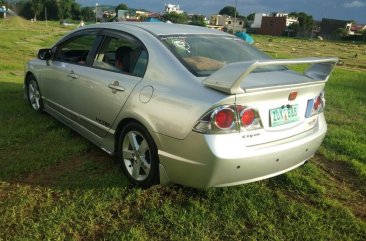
(67, 121)
(100, 126)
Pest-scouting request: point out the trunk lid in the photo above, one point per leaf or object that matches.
(281, 97)
(269, 101)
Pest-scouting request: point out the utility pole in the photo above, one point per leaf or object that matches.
(96, 12)
(236, 6)
(45, 15)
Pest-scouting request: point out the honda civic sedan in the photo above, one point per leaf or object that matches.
(182, 104)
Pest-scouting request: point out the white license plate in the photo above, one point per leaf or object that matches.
(284, 115)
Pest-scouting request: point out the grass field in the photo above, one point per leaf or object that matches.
(55, 185)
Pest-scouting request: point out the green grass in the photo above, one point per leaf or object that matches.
(55, 185)
(346, 116)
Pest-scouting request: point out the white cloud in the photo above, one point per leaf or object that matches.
(355, 4)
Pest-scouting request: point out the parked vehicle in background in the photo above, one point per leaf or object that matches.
(182, 104)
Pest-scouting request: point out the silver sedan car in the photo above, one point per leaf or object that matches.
(182, 104)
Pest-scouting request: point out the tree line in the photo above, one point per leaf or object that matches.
(51, 9)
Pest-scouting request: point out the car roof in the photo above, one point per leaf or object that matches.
(161, 29)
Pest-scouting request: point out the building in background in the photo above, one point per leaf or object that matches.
(332, 28)
(123, 15)
(257, 22)
(344, 29)
(273, 23)
(169, 8)
(228, 23)
(355, 29)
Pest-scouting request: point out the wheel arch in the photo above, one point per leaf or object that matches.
(126, 121)
(27, 75)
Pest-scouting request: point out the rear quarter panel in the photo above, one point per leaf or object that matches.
(178, 100)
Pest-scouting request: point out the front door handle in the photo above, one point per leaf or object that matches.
(116, 87)
(73, 75)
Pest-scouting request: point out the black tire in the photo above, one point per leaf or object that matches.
(138, 155)
(34, 94)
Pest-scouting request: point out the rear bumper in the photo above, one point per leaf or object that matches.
(222, 160)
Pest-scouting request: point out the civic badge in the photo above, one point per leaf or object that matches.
(292, 95)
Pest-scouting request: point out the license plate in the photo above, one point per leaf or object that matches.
(284, 115)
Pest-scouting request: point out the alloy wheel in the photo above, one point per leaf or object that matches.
(34, 95)
(136, 155)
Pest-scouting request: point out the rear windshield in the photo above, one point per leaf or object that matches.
(205, 54)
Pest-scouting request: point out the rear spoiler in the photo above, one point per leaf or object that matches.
(229, 78)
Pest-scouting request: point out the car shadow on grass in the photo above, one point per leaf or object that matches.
(10, 88)
(37, 150)
(92, 169)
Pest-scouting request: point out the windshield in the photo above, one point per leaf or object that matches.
(205, 54)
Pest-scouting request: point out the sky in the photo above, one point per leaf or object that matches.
(336, 9)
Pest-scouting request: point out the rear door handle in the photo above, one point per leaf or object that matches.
(116, 87)
(73, 75)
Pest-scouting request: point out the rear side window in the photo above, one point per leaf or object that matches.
(121, 54)
(76, 50)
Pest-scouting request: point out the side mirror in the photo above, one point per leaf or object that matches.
(45, 54)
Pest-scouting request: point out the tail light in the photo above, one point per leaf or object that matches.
(315, 106)
(247, 117)
(224, 118)
(317, 103)
(228, 119)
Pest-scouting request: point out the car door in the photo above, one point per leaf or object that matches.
(71, 56)
(102, 90)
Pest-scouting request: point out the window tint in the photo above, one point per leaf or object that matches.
(76, 50)
(122, 55)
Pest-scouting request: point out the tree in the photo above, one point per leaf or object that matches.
(121, 6)
(87, 14)
(23, 8)
(251, 16)
(364, 34)
(36, 7)
(51, 7)
(198, 20)
(229, 10)
(65, 9)
(292, 30)
(306, 22)
(75, 11)
(56, 9)
(341, 32)
(175, 17)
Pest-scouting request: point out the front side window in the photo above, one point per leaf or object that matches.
(76, 50)
(205, 54)
(124, 55)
